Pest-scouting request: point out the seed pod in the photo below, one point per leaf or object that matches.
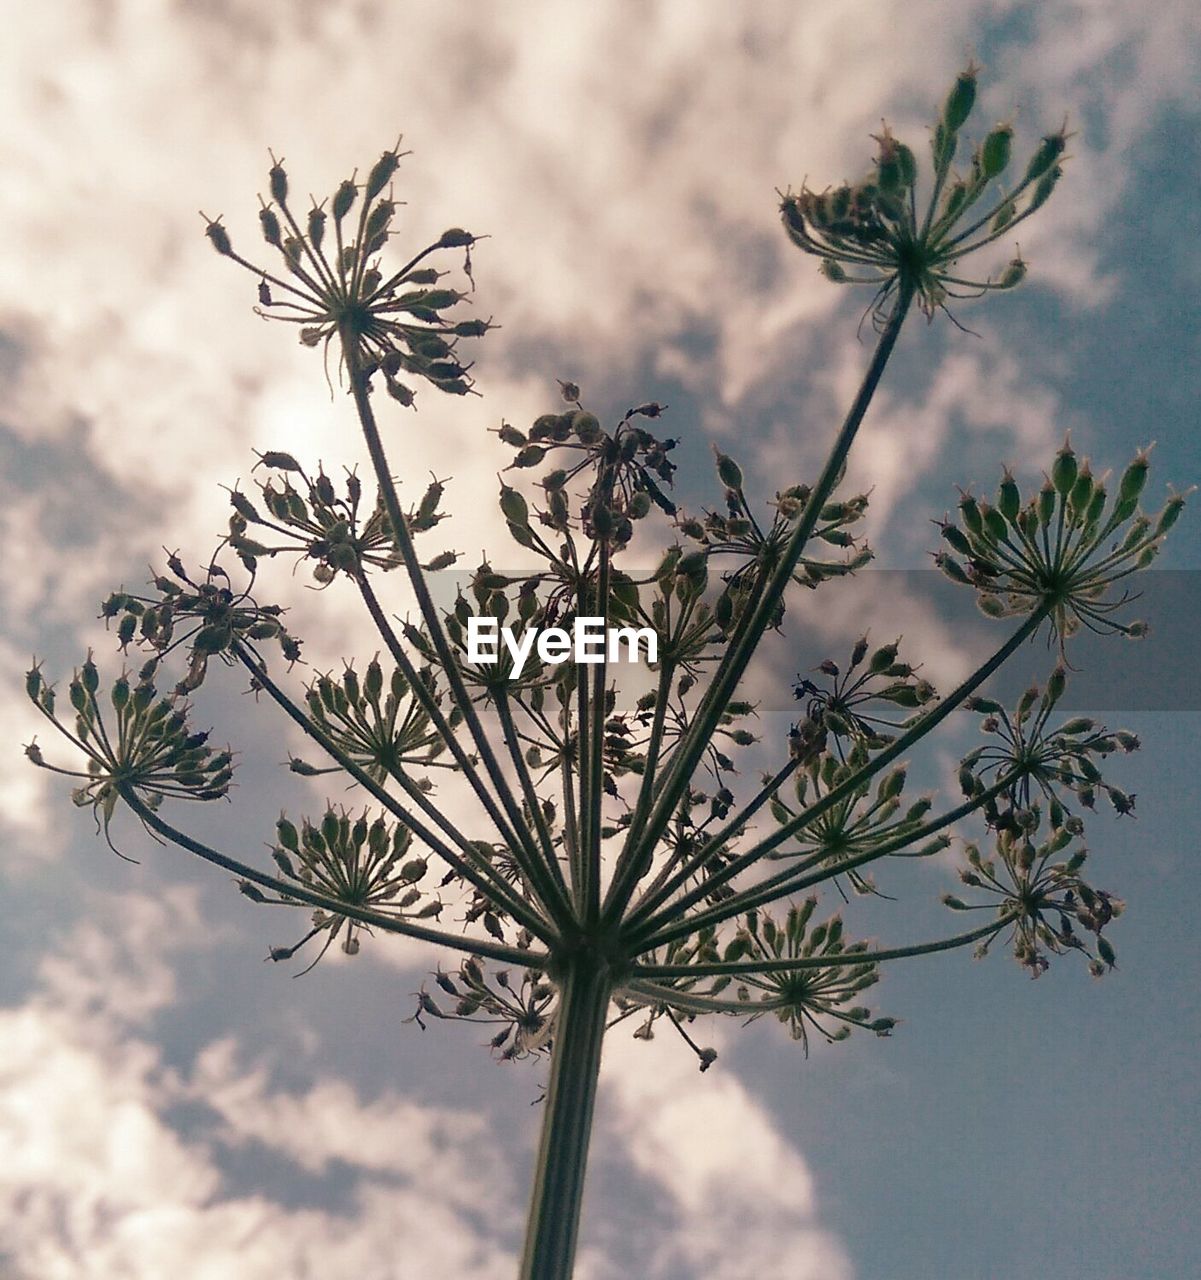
(960, 100)
(991, 606)
(833, 270)
(969, 512)
(381, 173)
(1042, 192)
(883, 658)
(1096, 503)
(893, 784)
(513, 506)
(954, 201)
(994, 523)
(1003, 217)
(1133, 478)
(1064, 470)
(995, 151)
(219, 238)
(270, 225)
(455, 238)
(1008, 498)
(279, 182)
(952, 568)
(120, 693)
(1082, 490)
(1013, 275)
(728, 471)
(316, 227)
(1170, 514)
(343, 199)
(287, 834)
(1048, 152)
(278, 461)
(125, 629)
(1046, 504)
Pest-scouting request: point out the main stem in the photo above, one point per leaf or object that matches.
(554, 1218)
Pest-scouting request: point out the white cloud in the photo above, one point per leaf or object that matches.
(742, 1198)
(101, 1179)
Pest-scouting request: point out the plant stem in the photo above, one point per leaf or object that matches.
(554, 1217)
(883, 758)
(796, 964)
(556, 903)
(751, 629)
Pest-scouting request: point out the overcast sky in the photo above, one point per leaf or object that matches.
(169, 1105)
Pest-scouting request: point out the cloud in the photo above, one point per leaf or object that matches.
(741, 1199)
(103, 1177)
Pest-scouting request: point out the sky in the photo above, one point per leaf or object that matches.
(170, 1105)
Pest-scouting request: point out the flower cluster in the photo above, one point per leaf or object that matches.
(522, 1008)
(208, 618)
(626, 469)
(858, 824)
(738, 534)
(1043, 898)
(382, 731)
(335, 287)
(320, 525)
(1054, 762)
(360, 863)
(1068, 550)
(804, 999)
(842, 709)
(146, 749)
(873, 226)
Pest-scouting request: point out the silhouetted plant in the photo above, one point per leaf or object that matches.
(608, 864)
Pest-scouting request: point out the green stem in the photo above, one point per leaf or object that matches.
(558, 906)
(692, 746)
(932, 718)
(483, 876)
(426, 699)
(504, 713)
(554, 1217)
(795, 964)
(592, 783)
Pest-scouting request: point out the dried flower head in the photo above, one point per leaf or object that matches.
(146, 748)
(1040, 897)
(1069, 550)
(873, 226)
(363, 864)
(335, 286)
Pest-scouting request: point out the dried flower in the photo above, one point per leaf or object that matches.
(146, 749)
(873, 226)
(339, 289)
